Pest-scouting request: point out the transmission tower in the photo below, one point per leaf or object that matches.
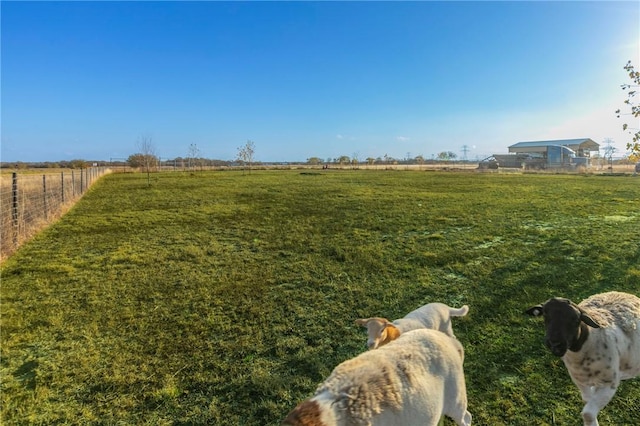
(465, 150)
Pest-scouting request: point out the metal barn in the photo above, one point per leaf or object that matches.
(581, 147)
(563, 153)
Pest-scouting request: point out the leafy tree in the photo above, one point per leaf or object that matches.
(447, 155)
(135, 160)
(314, 161)
(78, 164)
(344, 159)
(631, 89)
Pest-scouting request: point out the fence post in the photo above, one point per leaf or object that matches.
(44, 195)
(62, 186)
(14, 206)
(81, 182)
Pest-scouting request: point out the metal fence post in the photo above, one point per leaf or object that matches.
(14, 206)
(62, 186)
(44, 195)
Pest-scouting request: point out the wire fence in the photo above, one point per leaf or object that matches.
(29, 202)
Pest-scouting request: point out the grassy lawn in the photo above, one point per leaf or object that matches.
(223, 298)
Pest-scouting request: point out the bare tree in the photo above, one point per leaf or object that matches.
(609, 149)
(245, 154)
(355, 160)
(193, 155)
(149, 157)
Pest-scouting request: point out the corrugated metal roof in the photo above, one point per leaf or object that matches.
(575, 144)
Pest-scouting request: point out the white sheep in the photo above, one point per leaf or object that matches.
(414, 380)
(599, 342)
(436, 316)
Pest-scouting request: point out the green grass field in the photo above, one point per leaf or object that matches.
(224, 298)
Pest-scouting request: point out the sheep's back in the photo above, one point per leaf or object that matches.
(407, 324)
(379, 380)
(614, 308)
(363, 398)
(431, 314)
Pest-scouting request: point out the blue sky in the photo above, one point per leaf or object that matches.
(87, 80)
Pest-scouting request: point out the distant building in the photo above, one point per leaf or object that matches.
(571, 154)
(581, 147)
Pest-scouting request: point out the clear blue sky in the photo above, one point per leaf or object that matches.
(85, 80)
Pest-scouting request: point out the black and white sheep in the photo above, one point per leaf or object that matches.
(414, 380)
(599, 342)
(436, 316)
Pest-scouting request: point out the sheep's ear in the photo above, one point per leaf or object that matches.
(585, 318)
(362, 321)
(390, 332)
(535, 311)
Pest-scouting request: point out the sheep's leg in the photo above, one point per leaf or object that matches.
(600, 397)
(463, 420)
(586, 392)
(466, 419)
(460, 415)
(456, 401)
